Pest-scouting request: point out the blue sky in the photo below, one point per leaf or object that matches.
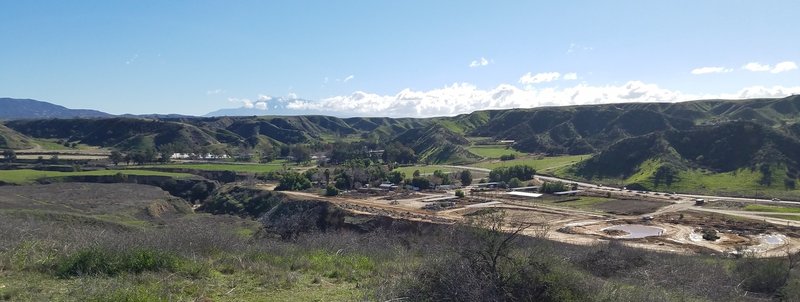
(396, 58)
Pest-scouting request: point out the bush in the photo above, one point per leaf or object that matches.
(460, 193)
(505, 174)
(331, 191)
(762, 275)
(95, 261)
(710, 234)
(507, 157)
(293, 181)
(553, 187)
(515, 183)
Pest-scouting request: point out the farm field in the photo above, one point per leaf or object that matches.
(27, 176)
(542, 165)
(429, 169)
(493, 151)
(245, 168)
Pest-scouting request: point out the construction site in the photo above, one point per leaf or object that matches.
(593, 214)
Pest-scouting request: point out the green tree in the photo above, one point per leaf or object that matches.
(505, 174)
(552, 187)
(9, 155)
(331, 191)
(301, 153)
(466, 178)
(293, 181)
(421, 182)
(116, 157)
(396, 177)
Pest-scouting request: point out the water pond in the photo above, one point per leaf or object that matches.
(636, 230)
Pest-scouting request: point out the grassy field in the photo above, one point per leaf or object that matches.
(53, 145)
(742, 182)
(27, 176)
(244, 168)
(787, 217)
(409, 171)
(493, 151)
(771, 209)
(541, 164)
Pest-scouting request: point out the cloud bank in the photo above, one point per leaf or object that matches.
(707, 70)
(778, 68)
(462, 98)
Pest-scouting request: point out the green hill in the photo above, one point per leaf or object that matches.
(437, 144)
(122, 133)
(10, 139)
(744, 154)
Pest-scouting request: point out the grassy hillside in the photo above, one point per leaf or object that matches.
(437, 144)
(10, 139)
(127, 242)
(739, 158)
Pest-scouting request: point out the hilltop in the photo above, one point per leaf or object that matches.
(14, 109)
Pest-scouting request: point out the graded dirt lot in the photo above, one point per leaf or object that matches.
(630, 207)
(679, 225)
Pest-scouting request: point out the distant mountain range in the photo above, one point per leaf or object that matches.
(21, 109)
(15, 109)
(272, 106)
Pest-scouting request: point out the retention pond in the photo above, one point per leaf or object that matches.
(636, 230)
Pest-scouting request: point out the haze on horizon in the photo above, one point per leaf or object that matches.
(410, 58)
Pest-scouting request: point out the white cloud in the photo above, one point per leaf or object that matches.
(245, 103)
(707, 70)
(755, 66)
(348, 78)
(464, 98)
(215, 91)
(784, 66)
(478, 63)
(778, 68)
(291, 95)
(261, 105)
(763, 92)
(539, 78)
(573, 48)
(571, 76)
(264, 98)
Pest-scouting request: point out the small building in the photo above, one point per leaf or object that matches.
(488, 185)
(446, 187)
(519, 194)
(564, 193)
(387, 186)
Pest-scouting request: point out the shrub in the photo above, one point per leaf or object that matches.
(504, 174)
(331, 191)
(762, 275)
(710, 234)
(460, 193)
(293, 181)
(96, 261)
